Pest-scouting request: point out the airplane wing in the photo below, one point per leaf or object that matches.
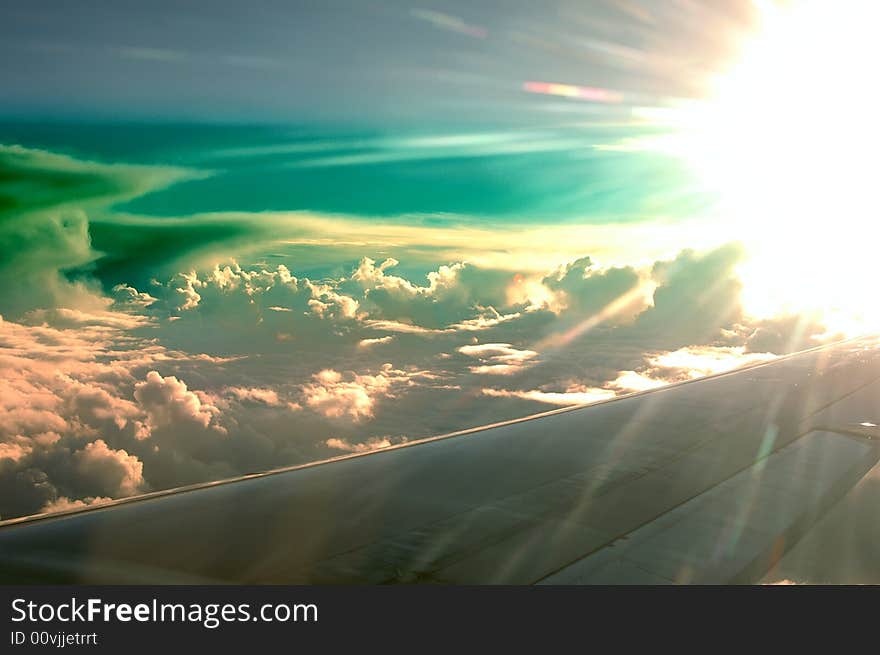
(760, 474)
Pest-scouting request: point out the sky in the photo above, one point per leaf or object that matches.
(341, 60)
(238, 237)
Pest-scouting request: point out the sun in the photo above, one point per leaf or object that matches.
(788, 139)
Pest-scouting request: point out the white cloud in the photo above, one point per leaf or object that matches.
(404, 328)
(168, 402)
(697, 361)
(572, 396)
(231, 279)
(327, 303)
(373, 277)
(190, 296)
(372, 342)
(632, 381)
(497, 358)
(489, 319)
(117, 472)
(373, 443)
(354, 395)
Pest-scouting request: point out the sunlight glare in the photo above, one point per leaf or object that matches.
(789, 141)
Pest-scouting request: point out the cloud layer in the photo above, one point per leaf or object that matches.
(137, 357)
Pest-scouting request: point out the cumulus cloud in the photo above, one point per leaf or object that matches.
(263, 309)
(71, 426)
(328, 304)
(55, 394)
(697, 295)
(582, 289)
(455, 295)
(335, 395)
(115, 472)
(167, 401)
(15, 451)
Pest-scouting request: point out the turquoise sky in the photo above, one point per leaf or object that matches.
(525, 174)
(493, 179)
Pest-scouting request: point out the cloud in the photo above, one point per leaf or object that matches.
(128, 297)
(781, 334)
(696, 296)
(336, 395)
(584, 289)
(168, 402)
(346, 310)
(136, 354)
(527, 249)
(572, 396)
(63, 503)
(71, 426)
(44, 224)
(327, 303)
(114, 471)
(488, 318)
(256, 395)
(457, 296)
(497, 358)
(632, 381)
(364, 343)
(63, 317)
(58, 390)
(14, 451)
(657, 370)
(373, 443)
(76, 230)
(405, 328)
(96, 406)
(697, 361)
